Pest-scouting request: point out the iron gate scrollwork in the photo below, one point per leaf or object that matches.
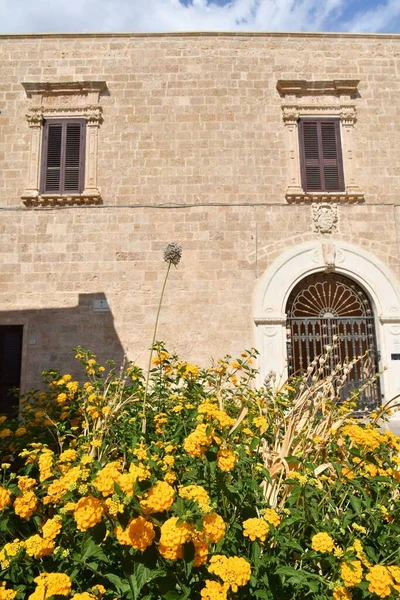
(324, 307)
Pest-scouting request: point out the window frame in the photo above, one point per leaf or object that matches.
(44, 157)
(339, 155)
(326, 99)
(65, 100)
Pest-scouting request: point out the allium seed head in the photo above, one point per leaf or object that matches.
(173, 253)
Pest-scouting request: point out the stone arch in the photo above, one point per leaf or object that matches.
(377, 280)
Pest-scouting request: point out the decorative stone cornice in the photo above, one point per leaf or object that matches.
(291, 113)
(63, 87)
(329, 197)
(58, 200)
(336, 87)
(92, 113)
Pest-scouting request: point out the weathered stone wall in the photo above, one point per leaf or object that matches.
(190, 120)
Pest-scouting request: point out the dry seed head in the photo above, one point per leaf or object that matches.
(173, 253)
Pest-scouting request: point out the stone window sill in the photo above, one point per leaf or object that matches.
(294, 197)
(62, 200)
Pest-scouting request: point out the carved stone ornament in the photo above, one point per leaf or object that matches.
(35, 116)
(329, 257)
(325, 217)
(61, 100)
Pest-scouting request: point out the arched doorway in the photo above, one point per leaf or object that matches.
(329, 309)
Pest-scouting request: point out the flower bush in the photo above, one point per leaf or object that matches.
(228, 492)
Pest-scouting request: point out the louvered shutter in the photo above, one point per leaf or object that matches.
(63, 156)
(52, 146)
(321, 155)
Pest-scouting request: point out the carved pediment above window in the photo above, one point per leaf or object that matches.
(51, 89)
(334, 87)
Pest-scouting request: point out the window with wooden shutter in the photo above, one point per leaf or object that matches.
(63, 156)
(321, 155)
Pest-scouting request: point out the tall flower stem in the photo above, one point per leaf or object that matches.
(144, 422)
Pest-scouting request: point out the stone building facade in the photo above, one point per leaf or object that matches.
(195, 138)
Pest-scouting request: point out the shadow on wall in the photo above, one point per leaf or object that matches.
(32, 341)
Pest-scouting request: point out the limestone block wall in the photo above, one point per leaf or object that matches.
(192, 149)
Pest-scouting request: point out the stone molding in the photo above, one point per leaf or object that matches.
(278, 320)
(58, 100)
(297, 87)
(301, 197)
(334, 98)
(64, 200)
(63, 87)
(391, 319)
(276, 283)
(314, 198)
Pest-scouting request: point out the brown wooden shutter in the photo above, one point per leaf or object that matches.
(63, 156)
(321, 155)
(52, 143)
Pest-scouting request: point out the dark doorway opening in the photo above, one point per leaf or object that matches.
(10, 367)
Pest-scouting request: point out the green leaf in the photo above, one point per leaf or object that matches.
(4, 524)
(293, 545)
(117, 581)
(261, 594)
(295, 575)
(256, 552)
(91, 550)
(139, 578)
(356, 504)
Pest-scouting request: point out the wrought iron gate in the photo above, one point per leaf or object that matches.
(324, 307)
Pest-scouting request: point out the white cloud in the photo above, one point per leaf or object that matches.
(376, 19)
(201, 15)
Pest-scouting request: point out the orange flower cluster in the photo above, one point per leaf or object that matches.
(383, 580)
(25, 505)
(51, 584)
(256, 529)
(351, 573)
(139, 534)
(38, 547)
(197, 493)
(159, 498)
(5, 497)
(234, 571)
(226, 459)
(212, 412)
(214, 591)
(322, 542)
(88, 512)
(198, 442)
(6, 594)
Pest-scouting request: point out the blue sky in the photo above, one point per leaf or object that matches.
(369, 16)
